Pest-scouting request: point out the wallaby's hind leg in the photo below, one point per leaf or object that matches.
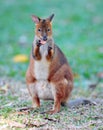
(56, 107)
(33, 93)
(60, 95)
(35, 102)
(62, 83)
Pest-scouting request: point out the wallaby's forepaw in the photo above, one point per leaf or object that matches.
(38, 43)
(50, 53)
(50, 50)
(35, 51)
(52, 112)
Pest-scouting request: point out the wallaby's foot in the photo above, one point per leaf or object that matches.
(53, 111)
(50, 112)
(35, 106)
(35, 102)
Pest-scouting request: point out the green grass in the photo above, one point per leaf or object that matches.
(77, 28)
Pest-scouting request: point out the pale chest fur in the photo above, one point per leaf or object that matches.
(41, 72)
(41, 69)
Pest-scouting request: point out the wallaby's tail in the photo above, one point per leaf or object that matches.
(80, 101)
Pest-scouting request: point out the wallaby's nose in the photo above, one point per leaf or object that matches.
(44, 38)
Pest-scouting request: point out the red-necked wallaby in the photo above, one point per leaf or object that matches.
(49, 76)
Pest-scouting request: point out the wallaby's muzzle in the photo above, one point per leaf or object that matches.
(45, 38)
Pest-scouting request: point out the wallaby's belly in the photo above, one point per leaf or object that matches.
(43, 87)
(44, 90)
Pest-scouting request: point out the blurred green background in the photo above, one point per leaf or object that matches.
(77, 30)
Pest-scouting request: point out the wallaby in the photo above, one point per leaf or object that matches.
(49, 76)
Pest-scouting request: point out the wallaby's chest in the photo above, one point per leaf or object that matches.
(41, 69)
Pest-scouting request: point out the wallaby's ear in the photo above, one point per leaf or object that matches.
(35, 19)
(51, 17)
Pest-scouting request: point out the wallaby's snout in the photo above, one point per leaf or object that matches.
(45, 38)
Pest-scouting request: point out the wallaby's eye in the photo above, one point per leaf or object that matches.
(39, 30)
(48, 30)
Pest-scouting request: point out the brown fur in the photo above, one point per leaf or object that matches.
(44, 25)
(57, 82)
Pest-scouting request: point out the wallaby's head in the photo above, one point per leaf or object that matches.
(43, 29)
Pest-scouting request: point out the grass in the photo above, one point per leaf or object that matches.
(77, 30)
(81, 117)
